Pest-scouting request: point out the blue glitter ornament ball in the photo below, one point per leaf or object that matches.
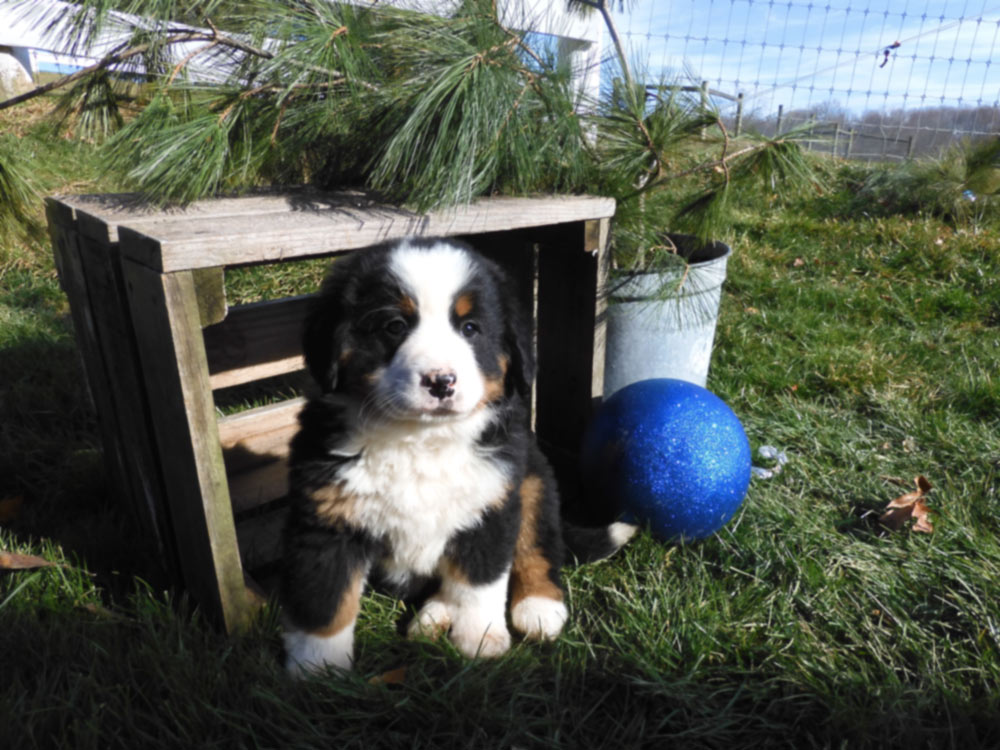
(670, 454)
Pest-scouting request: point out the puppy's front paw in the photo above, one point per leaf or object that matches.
(307, 654)
(433, 621)
(474, 637)
(539, 618)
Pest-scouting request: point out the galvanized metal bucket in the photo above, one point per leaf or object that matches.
(662, 325)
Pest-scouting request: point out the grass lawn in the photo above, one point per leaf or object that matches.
(866, 347)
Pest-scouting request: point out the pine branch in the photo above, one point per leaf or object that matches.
(123, 53)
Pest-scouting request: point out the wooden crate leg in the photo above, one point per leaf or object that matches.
(126, 391)
(66, 249)
(167, 322)
(572, 274)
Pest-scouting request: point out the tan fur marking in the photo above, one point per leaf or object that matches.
(347, 609)
(463, 305)
(407, 306)
(494, 389)
(450, 569)
(530, 571)
(333, 505)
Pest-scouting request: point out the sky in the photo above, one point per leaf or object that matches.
(803, 53)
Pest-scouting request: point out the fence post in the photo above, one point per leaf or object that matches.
(909, 146)
(781, 116)
(836, 139)
(850, 142)
(739, 115)
(704, 105)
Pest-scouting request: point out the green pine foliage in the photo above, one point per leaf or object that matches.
(962, 185)
(423, 109)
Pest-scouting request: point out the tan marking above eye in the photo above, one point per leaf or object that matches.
(407, 305)
(463, 305)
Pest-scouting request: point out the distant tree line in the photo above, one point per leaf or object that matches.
(893, 134)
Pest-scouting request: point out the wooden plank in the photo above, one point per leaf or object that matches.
(259, 486)
(250, 428)
(202, 242)
(260, 538)
(210, 286)
(256, 341)
(168, 328)
(126, 393)
(100, 215)
(258, 436)
(66, 248)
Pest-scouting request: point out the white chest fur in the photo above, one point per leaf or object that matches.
(416, 485)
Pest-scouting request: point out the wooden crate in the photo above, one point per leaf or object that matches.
(148, 301)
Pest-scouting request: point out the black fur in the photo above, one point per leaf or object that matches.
(359, 320)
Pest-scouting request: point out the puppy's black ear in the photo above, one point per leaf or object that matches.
(322, 343)
(327, 324)
(518, 342)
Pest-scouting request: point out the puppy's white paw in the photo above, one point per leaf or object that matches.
(433, 621)
(306, 653)
(474, 637)
(539, 618)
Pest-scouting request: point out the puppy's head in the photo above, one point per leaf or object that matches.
(422, 329)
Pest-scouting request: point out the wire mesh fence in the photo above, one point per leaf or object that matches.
(878, 80)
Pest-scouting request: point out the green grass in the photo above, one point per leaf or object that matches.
(801, 624)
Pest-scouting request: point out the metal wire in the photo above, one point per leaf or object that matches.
(913, 71)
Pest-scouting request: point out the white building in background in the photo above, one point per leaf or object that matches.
(30, 43)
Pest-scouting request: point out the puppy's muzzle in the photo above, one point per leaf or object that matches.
(441, 385)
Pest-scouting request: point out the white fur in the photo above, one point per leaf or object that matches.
(475, 614)
(433, 277)
(620, 532)
(539, 617)
(417, 485)
(307, 653)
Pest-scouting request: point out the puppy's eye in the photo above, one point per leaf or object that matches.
(395, 327)
(470, 329)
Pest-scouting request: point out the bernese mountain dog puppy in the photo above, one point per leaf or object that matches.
(416, 466)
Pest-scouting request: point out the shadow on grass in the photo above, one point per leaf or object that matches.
(51, 464)
(159, 680)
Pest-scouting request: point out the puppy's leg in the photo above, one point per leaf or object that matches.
(536, 597)
(471, 603)
(324, 575)
(473, 614)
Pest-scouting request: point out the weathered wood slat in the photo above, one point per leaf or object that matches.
(258, 486)
(256, 341)
(205, 241)
(99, 216)
(165, 310)
(255, 446)
(257, 430)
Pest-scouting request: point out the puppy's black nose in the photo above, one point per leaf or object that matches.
(440, 384)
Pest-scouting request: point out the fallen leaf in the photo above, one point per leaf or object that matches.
(910, 506)
(392, 677)
(10, 507)
(15, 561)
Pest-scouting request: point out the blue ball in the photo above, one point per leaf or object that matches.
(670, 454)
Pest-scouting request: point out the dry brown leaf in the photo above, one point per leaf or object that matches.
(10, 507)
(15, 561)
(392, 677)
(910, 506)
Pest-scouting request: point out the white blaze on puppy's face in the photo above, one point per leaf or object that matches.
(434, 371)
